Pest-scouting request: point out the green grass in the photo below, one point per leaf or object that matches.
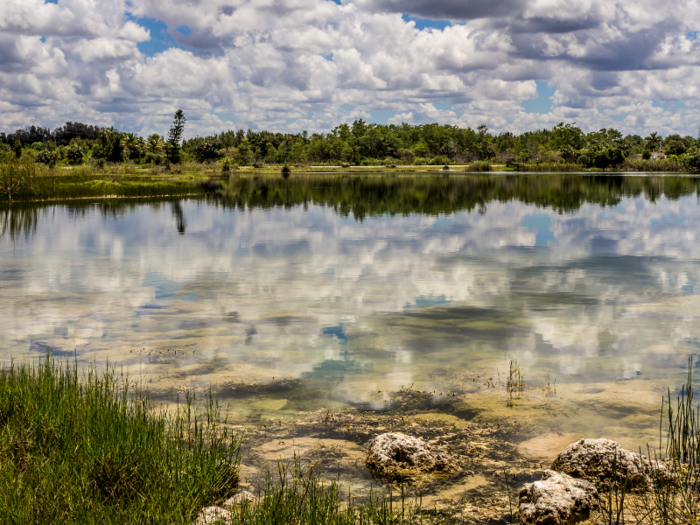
(90, 448)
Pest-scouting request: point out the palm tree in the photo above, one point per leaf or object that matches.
(154, 149)
(653, 141)
(132, 144)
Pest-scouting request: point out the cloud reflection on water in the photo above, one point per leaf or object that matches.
(253, 293)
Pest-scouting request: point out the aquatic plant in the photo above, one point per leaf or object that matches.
(548, 389)
(613, 501)
(515, 384)
(672, 495)
(297, 494)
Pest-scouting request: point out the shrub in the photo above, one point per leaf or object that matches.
(46, 156)
(74, 154)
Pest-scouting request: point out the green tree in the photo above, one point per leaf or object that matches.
(175, 136)
(75, 154)
(652, 141)
(47, 156)
(154, 149)
(132, 144)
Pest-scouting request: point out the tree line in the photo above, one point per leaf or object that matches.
(359, 143)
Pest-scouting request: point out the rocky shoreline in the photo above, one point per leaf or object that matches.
(459, 470)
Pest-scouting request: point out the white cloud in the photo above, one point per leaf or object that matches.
(301, 63)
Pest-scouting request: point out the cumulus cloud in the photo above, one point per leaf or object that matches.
(314, 64)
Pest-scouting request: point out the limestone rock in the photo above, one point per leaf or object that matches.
(213, 515)
(557, 499)
(395, 454)
(595, 459)
(241, 497)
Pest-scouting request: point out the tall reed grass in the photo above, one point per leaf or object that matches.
(92, 448)
(653, 165)
(18, 178)
(478, 166)
(561, 167)
(297, 494)
(22, 180)
(671, 495)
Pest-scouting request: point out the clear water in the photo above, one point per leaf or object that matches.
(289, 309)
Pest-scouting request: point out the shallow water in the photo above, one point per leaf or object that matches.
(334, 293)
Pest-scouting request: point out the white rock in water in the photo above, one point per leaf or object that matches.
(595, 460)
(394, 454)
(557, 499)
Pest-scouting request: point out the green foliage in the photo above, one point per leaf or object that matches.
(204, 150)
(365, 144)
(693, 161)
(47, 156)
(675, 146)
(601, 158)
(667, 165)
(94, 449)
(74, 154)
(227, 165)
(17, 149)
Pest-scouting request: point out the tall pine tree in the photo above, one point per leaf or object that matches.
(175, 136)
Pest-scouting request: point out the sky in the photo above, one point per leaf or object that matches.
(293, 65)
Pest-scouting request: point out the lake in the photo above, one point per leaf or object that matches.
(334, 292)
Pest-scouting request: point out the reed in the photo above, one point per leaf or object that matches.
(515, 383)
(550, 167)
(671, 497)
(667, 165)
(297, 494)
(18, 178)
(479, 166)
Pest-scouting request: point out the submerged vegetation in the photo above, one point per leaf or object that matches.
(565, 147)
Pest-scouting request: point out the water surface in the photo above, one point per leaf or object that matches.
(338, 292)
